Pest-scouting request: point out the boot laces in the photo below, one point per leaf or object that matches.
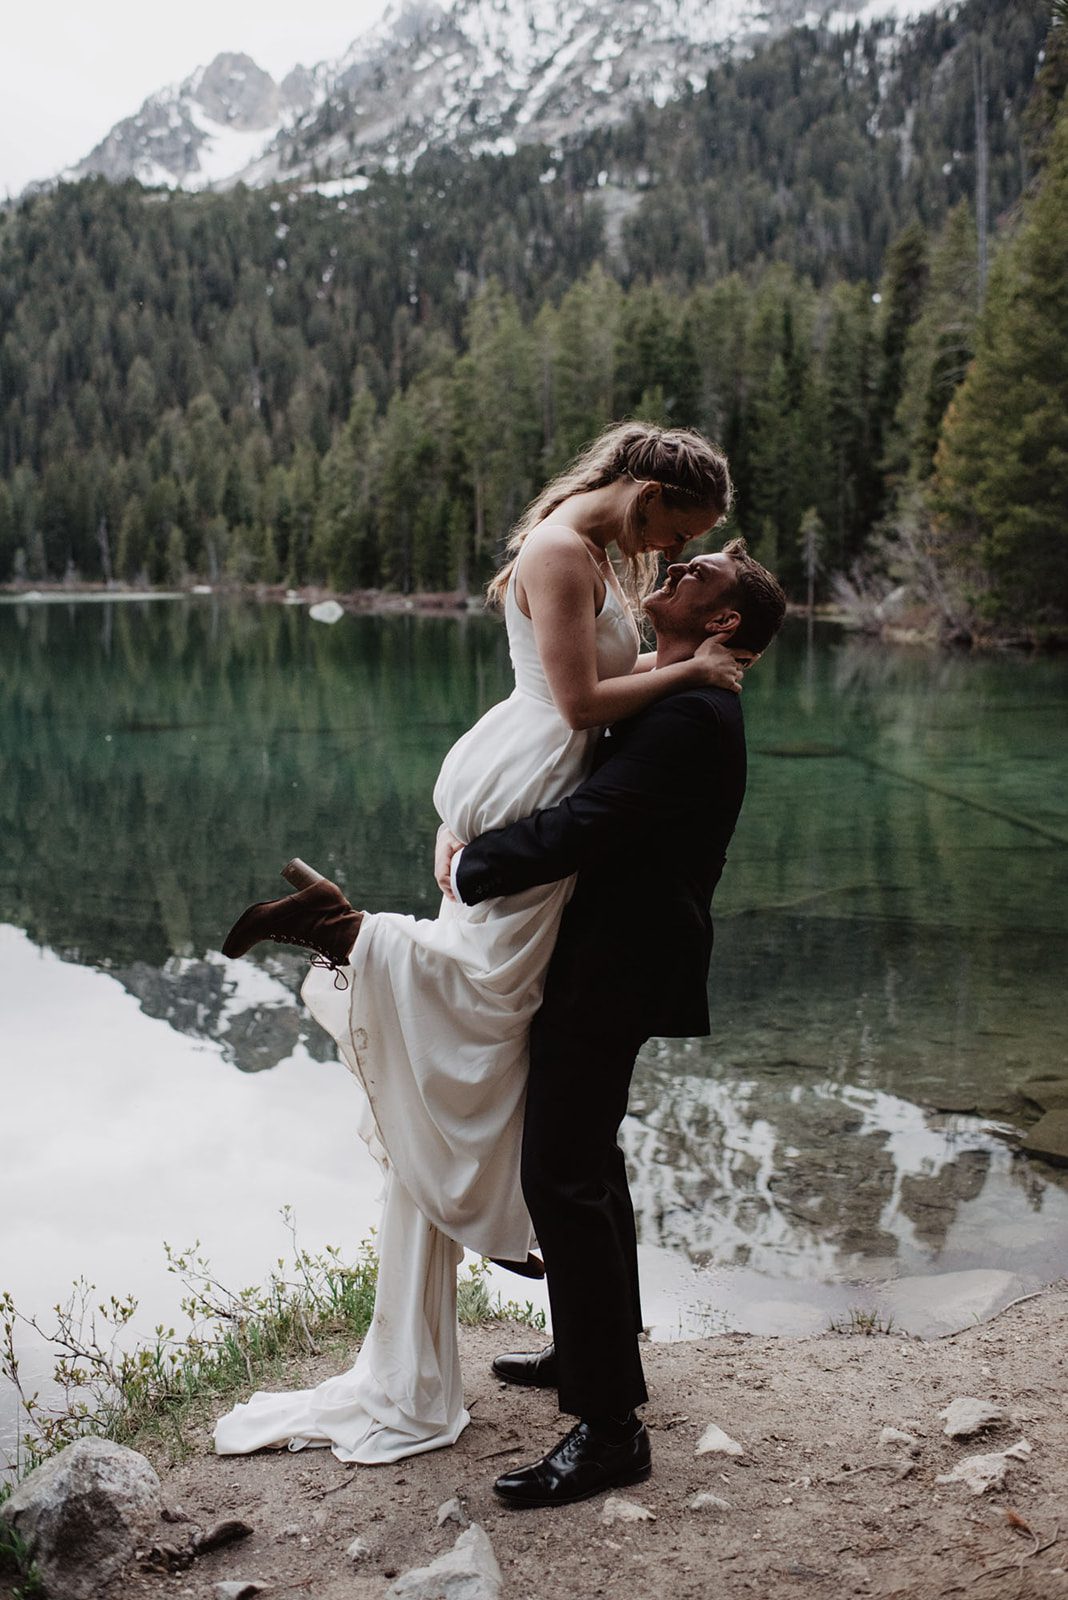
(340, 980)
(319, 959)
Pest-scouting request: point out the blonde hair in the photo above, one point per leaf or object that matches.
(686, 466)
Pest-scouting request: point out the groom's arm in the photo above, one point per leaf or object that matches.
(666, 761)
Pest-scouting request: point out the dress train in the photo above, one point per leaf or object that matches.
(404, 1395)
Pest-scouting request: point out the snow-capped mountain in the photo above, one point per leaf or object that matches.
(200, 133)
(474, 74)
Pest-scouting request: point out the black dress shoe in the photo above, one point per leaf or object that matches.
(536, 1370)
(584, 1463)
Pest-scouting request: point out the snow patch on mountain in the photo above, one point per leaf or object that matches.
(198, 133)
(225, 149)
(869, 11)
(478, 75)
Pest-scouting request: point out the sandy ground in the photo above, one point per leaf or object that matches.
(817, 1507)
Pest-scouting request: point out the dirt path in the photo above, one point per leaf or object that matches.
(802, 1519)
(804, 1514)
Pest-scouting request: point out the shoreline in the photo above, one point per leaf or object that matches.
(369, 601)
(920, 631)
(816, 1504)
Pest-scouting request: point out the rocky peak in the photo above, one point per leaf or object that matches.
(480, 75)
(201, 132)
(234, 90)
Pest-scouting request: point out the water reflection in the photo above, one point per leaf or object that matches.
(890, 932)
(824, 1179)
(160, 762)
(255, 1023)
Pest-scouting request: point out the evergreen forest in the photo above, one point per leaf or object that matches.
(844, 258)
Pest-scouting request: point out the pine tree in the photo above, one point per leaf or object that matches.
(343, 547)
(398, 483)
(714, 331)
(496, 421)
(584, 363)
(647, 351)
(175, 570)
(902, 293)
(1051, 84)
(851, 487)
(778, 478)
(769, 512)
(937, 350)
(8, 543)
(1002, 462)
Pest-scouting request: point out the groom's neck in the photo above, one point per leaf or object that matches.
(671, 650)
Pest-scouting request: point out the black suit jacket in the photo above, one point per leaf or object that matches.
(647, 834)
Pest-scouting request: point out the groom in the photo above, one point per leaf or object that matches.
(647, 834)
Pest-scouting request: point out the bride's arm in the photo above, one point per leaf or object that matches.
(560, 588)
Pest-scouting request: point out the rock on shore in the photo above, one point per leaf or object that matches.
(83, 1515)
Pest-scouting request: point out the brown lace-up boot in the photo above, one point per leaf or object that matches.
(317, 918)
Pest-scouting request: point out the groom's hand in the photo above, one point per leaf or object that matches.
(444, 850)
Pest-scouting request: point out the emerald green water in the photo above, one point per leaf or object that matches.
(890, 956)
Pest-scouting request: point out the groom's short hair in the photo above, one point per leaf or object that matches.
(757, 596)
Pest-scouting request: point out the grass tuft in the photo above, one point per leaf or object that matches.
(473, 1303)
(163, 1391)
(859, 1320)
(16, 1560)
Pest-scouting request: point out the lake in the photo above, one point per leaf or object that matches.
(890, 958)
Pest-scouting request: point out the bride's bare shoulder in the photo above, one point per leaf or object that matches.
(556, 562)
(554, 542)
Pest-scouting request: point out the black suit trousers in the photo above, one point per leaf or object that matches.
(575, 1185)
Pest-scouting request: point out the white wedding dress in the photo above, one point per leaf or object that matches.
(433, 1024)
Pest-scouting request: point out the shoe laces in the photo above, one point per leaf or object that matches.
(340, 980)
(563, 1448)
(319, 959)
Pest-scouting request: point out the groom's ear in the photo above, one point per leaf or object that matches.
(723, 625)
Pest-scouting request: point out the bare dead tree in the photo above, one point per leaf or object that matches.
(104, 542)
(812, 534)
(982, 164)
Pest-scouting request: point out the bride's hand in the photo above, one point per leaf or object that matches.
(444, 850)
(718, 667)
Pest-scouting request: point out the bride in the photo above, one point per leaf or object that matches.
(432, 1015)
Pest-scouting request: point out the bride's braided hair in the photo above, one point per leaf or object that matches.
(689, 470)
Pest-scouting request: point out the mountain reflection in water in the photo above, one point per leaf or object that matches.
(820, 1179)
(890, 941)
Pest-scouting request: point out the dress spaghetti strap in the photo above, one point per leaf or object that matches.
(610, 587)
